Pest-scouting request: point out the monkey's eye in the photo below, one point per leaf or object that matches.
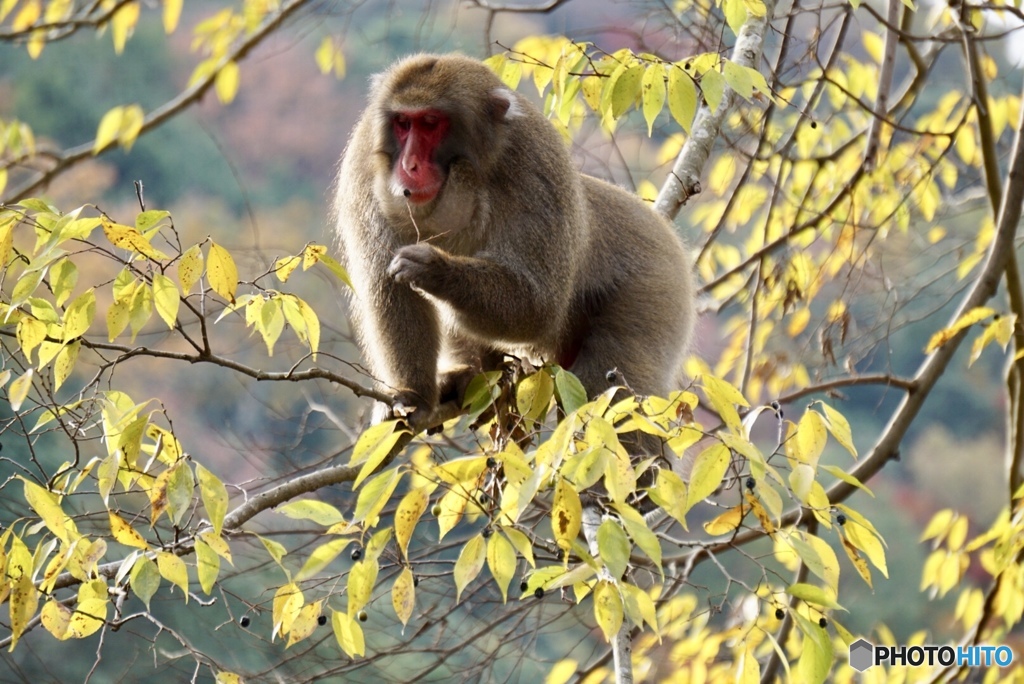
(402, 122)
(430, 121)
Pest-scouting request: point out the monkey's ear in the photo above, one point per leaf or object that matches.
(504, 105)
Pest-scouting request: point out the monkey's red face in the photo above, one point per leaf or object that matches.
(419, 134)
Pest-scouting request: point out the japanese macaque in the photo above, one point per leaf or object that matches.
(468, 233)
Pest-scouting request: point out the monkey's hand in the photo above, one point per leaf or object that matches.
(415, 265)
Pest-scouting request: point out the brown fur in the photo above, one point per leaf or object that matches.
(519, 253)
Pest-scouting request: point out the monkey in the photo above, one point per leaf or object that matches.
(467, 232)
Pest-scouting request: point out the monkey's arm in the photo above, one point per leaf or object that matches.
(398, 332)
(492, 299)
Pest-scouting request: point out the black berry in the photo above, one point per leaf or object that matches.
(322, 620)
(539, 592)
(487, 532)
(492, 462)
(779, 613)
(841, 519)
(415, 581)
(363, 617)
(823, 623)
(244, 621)
(611, 376)
(357, 553)
(523, 585)
(750, 483)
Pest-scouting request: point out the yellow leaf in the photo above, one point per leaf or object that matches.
(469, 564)
(132, 121)
(172, 12)
(809, 441)
(65, 363)
(310, 509)
(608, 608)
(975, 315)
(165, 297)
(682, 96)
(348, 633)
(501, 561)
(79, 314)
(190, 268)
(55, 618)
(173, 570)
(867, 542)
(215, 497)
(46, 506)
(361, 580)
(276, 550)
(91, 610)
(724, 398)
(709, 468)
(521, 543)
(217, 543)
(562, 672)
(305, 623)
(403, 595)
(124, 533)
(222, 272)
(30, 334)
(311, 255)
(329, 57)
(873, 45)
(452, 506)
(652, 94)
(639, 606)
(798, 321)
(226, 82)
(128, 237)
(309, 317)
(118, 316)
(322, 557)
(207, 566)
(840, 428)
(109, 129)
(408, 513)
(725, 523)
(372, 447)
(375, 494)
(288, 602)
(285, 266)
(566, 515)
(813, 595)
(122, 25)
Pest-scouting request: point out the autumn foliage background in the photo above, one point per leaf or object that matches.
(179, 338)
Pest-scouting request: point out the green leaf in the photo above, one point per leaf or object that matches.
(207, 566)
(614, 547)
(79, 314)
(375, 494)
(322, 557)
(215, 497)
(709, 468)
(813, 595)
(310, 509)
(570, 391)
(626, 90)
(179, 492)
